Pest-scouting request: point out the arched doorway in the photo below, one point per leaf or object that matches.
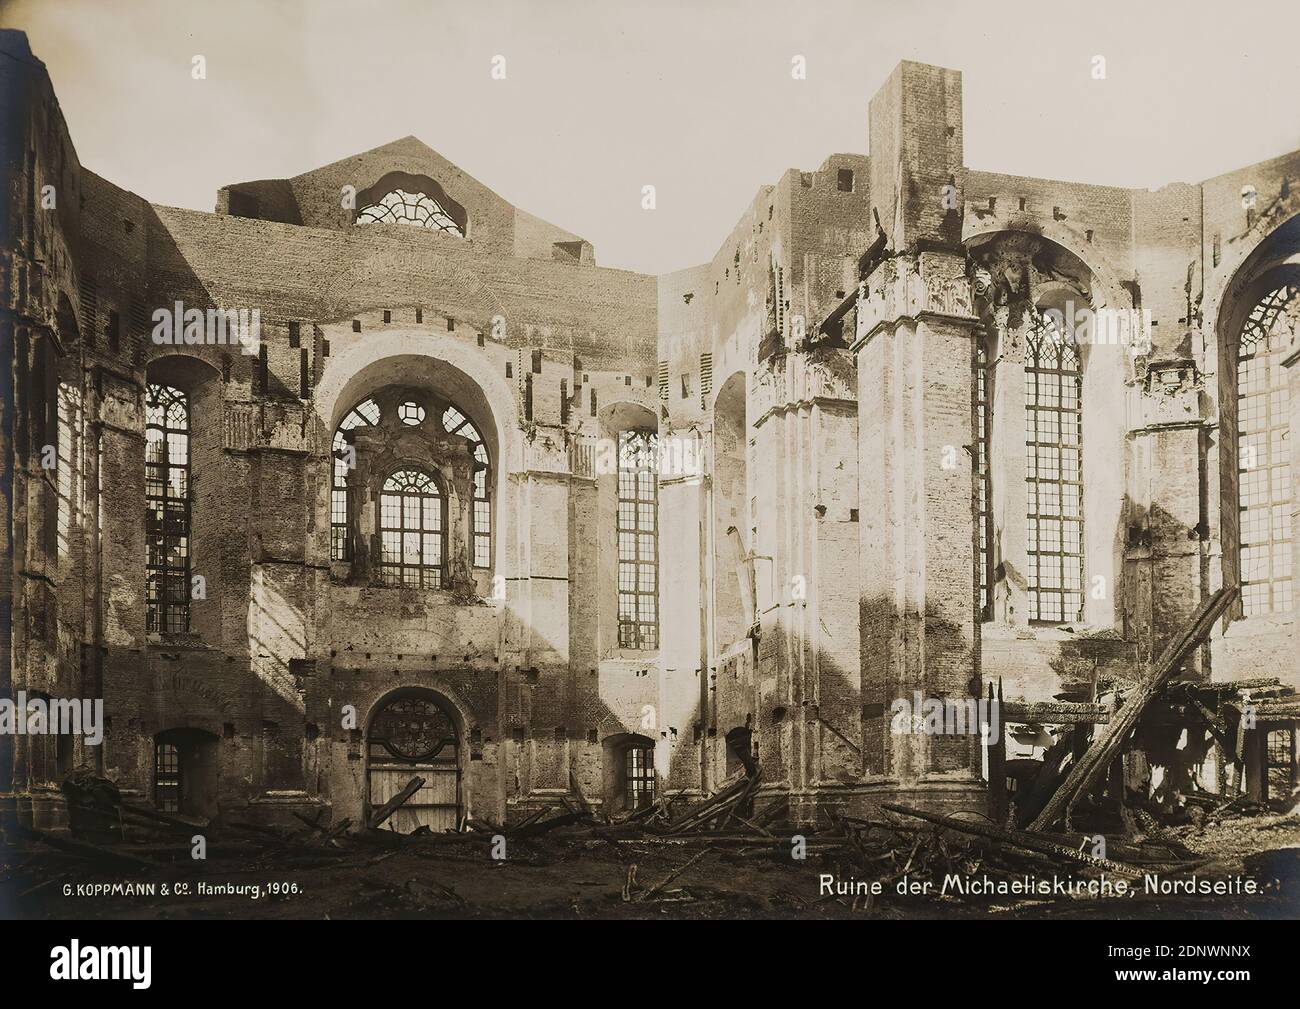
(185, 772)
(412, 733)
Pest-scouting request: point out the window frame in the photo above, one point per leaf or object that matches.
(340, 493)
(169, 775)
(1273, 402)
(637, 606)
(639, 781)
(426, 572)
(164, 616)
(1038, 408)
(417, 209)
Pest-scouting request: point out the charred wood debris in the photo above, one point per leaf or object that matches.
(1077, 793)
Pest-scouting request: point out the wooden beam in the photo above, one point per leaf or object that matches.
(395, 803)
(1103, 749)
(1017, 839)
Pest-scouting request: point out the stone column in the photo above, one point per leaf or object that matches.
(1009, 495)
(1164, 549)
(917, 552)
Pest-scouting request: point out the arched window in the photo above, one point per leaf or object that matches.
(1053, 382)
(363, 414)
(419, 209)
(455, 422)
(366, 414)
(637, 527)
(411, 548)
(167, 509)
(1263, 456)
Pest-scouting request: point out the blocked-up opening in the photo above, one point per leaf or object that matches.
(414, 733)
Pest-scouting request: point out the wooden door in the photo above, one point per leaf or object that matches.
(413, 735)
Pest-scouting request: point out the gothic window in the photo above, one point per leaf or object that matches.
(455, 422)
(1263, 454)
(637, 528)
(364, 414)
(984, 515)
(1053, 383)
(167, 509)
(411, 522)
(419, 209)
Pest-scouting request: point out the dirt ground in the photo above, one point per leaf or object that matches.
(580, 876)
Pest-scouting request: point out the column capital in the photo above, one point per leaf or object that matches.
(912, 286)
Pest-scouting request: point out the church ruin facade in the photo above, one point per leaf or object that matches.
(454, 500)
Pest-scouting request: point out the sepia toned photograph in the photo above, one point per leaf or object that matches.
(680, 461)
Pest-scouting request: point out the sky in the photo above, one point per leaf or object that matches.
(603, 97)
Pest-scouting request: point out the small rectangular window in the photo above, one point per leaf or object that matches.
(844, 180)
(167, 778)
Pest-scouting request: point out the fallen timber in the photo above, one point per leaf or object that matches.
(1099, 754)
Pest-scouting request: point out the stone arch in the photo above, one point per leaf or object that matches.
(445, 796)
(405, 357)
(1244, 258)
(186, 770)
(614, 755)
(1271, 263)
(449, 371)
(1022, 273)
(414, 184)
(1108, 282)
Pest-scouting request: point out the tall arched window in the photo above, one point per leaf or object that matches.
(1053, 385)
(363, 414)
(638, 540)
(167, 509)
(455, 422)
(419, 209)
(411, 522)
(1263, 456)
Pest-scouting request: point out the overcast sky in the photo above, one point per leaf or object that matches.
(696, 98)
